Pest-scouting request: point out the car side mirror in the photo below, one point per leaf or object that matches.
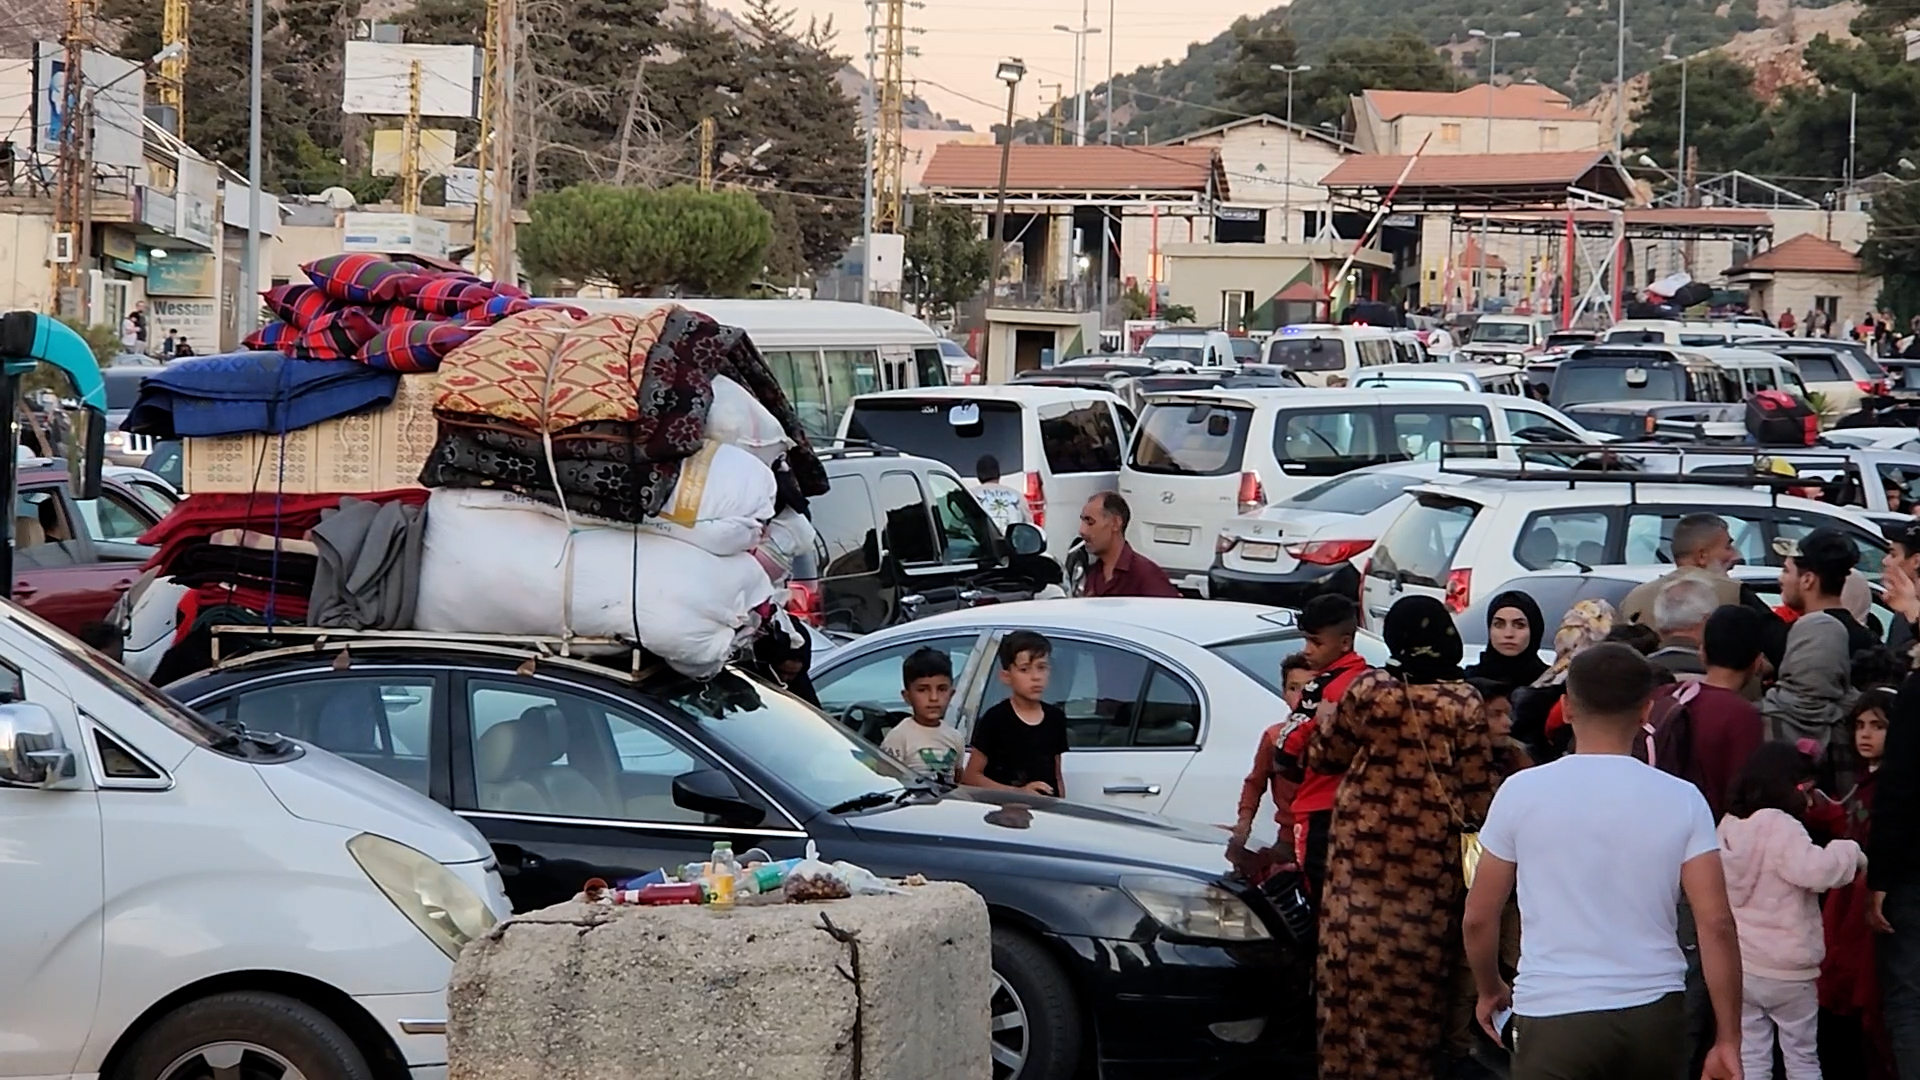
(710, 791)
(32, 754)
(1026, 539)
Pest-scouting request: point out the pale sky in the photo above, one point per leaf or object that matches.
(964, 39)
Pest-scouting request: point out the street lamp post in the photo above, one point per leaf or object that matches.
(1680, 160)
(1079, 72)
(1286, 196)
(1493, 65)
(1010, 71)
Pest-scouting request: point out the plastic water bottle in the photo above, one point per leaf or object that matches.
(724, 869)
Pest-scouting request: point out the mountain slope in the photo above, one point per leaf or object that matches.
(1567, 44)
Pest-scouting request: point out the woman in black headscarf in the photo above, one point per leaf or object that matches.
(1412, 742)
(1514, 630)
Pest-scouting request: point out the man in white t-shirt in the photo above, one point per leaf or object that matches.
(1602, 847)
(1003, 504)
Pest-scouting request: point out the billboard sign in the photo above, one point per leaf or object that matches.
(379, 79)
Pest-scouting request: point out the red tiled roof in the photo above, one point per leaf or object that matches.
(1471, 259)
(1465, 171)
(1076, 168)
(1515, 101)
(1805, 253)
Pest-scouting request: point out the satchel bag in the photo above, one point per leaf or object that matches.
(1469, 833)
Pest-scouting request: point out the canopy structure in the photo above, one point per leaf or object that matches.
(1475, 183)
(1190, 176)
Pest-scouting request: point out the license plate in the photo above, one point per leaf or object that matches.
(1172, 534)
(1260, 552)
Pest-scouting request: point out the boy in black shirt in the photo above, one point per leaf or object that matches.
(1017, 744)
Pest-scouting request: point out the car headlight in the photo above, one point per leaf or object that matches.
(1195, 909)
(445, 908)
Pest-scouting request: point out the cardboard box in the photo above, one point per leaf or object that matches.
(371, 451)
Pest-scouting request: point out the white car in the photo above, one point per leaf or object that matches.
(1874, 438)
(1057, 445)
(1314, 542)
(188, 900)
(1200, 458)
(1468, 532)
(1165, 699)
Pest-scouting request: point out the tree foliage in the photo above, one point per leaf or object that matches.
(1726, 120)
(948, 260)
(641, 241)
(1398, 61)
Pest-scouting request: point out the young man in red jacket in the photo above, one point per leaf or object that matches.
(1330, 623)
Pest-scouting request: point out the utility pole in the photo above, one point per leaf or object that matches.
(1620, 86)
(889, 153)
(1106, 212)
(250, 306)
(492, 201)
(1053, 110)
(410, 145)
(75, 176)
(1009, 72)
(706, 153)
(175, 26)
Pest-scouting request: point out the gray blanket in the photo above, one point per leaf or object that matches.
(369, 575)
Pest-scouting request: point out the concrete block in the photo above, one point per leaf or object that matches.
(897, 989)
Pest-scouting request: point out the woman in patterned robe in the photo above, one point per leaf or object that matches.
(1413, 745)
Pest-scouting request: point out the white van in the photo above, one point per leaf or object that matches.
(1201, 348)
(187, 899)
(1757, 369)
(1330, 355)
(1059, 445)
(1201, 458)
(1693, 332)
(822, 352)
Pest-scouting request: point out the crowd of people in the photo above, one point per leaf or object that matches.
(1680, 848)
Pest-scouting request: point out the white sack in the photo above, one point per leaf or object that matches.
(720, 503)
(788, 536)
(150, 625)
(502, 571)
(738, 419)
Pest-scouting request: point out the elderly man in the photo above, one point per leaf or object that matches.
(1680, 615)
(1702, 551)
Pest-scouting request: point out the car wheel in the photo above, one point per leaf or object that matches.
(248, 1035)
(1035, 1020)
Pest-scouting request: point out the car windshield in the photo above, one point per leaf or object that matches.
(1189, 354)
(1502, 333)
(953, 431)
(785, 737)
(1260, 656)
(1624, 424)
(137, 692)
(1353, 493)
(1308, 353)
(123, 389)
(1575, 383)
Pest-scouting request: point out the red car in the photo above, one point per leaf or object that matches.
(71, 562)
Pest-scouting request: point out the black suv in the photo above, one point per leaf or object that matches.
(902, 537)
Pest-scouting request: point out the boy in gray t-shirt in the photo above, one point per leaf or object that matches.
(922, 742)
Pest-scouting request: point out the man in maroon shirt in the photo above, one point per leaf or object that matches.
(1726, 726)
(1117, 569)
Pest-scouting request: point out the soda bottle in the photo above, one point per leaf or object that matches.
(724, 868)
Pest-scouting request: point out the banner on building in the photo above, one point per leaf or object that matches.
(196, 189)
(181, 274)
(197, 320)
(364, 231)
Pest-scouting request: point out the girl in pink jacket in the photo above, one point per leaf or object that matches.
(1775, 874)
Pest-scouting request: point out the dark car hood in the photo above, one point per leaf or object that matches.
(994, 820)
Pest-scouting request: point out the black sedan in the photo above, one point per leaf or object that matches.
(1120, 936)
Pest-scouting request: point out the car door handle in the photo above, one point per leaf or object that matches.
(21, 588)
(1132, 789)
